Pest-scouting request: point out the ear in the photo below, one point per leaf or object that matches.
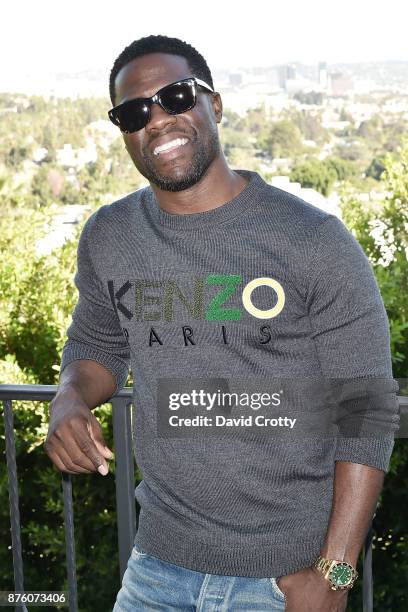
(217, 106)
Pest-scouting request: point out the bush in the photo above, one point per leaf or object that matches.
(315, 174)
(384, 238)
(38, 297)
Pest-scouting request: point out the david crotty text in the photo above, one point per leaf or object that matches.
(222, 421)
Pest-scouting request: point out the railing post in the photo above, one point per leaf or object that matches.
(70, 542)
(13, 497)
(368, 572)
(125, 479)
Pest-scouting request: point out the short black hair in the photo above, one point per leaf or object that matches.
(160, 44)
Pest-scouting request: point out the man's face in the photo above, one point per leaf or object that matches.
(185, 165)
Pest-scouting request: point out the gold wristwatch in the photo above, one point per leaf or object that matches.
(340, 574)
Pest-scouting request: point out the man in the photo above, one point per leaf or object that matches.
(166, 279)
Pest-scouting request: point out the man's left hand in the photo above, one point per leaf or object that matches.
(308, 591)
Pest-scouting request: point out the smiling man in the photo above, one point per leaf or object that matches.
(179, 154)
(205, 277)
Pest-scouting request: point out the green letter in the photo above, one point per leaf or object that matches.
(214, 312)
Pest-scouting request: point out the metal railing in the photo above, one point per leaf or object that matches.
(125, 490)
(124, 479)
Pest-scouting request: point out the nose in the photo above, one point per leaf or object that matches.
(159, 119)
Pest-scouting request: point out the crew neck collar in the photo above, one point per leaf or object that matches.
(222, 213)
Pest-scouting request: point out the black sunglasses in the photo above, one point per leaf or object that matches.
(175, 98)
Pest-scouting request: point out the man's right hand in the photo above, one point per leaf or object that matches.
(75, 441)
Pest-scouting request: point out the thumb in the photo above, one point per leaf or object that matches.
(96, 434)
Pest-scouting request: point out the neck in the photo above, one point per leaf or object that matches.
(219, 185)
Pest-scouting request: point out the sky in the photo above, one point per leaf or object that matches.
(44, 36)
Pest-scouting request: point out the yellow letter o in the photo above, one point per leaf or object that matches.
(256, 312)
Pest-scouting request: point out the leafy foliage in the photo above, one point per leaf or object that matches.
(316, 174)
(282, 139)
(38, 296)
(388, 250)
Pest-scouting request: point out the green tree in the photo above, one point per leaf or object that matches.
(345, 115)
(394, 134)
(376, 168)
(388, 256)
(16, 155)
(46, 185)
(371, 129)
(231, 119)
(354, 150)
(309, 97)
(282, 139)
(344, 168)
(309, 124)
(38, 296)
(254, 123)
(315, 174)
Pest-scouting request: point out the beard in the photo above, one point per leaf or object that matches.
(204, 153)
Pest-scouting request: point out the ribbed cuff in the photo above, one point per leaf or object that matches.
(73, 350)
(368, 451)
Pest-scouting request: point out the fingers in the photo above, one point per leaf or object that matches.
(73, 449)
(58, 465)
(64, 462)
(95, 432)
(83, 451)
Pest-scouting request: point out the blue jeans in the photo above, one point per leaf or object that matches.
(152, 584)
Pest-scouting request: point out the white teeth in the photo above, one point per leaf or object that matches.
(170, 145)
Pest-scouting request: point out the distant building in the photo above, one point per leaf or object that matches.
(287, 72)
(291, 71)
(39, 154)
(340, 84)
(77, 158)
(272, 77)
(253, 96)
(323, 75)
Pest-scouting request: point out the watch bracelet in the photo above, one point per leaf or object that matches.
(324, 566)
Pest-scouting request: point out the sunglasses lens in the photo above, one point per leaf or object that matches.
(178, 98)
(132, 116)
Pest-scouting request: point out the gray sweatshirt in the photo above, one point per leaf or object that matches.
(264, 292)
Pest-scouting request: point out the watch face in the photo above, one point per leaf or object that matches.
(341, 574)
